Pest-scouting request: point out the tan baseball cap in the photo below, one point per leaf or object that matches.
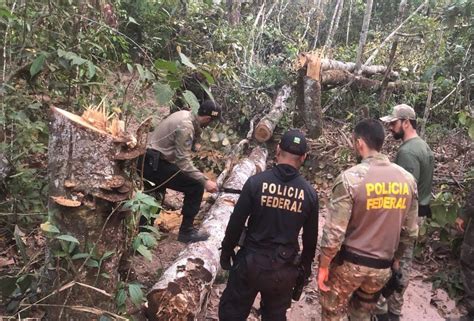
(402, 111)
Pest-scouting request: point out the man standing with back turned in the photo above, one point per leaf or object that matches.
(277, 203)
(371, 218)
(417, 158)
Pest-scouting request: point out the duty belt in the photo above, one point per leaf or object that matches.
(364, 260)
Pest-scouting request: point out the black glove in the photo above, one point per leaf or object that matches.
(226, 259)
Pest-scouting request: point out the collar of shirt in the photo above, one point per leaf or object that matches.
(378, 157)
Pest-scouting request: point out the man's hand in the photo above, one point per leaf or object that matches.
(210, 186)
(323, 275)
(459, 224)
(226, 259)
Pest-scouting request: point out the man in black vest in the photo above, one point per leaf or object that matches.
(277, 203)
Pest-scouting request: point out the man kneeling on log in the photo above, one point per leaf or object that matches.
(277, 203)
(168, 162)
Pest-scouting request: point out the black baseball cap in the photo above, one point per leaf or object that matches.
(294, 142)
(211, 108)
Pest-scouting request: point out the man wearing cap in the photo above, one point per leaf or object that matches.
(277, 203)
(168, 162)
(416, 157)
(371, 218)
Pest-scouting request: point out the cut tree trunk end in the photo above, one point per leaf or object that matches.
(264, 129)
(182, 290)
(312, 112)
(86, 182)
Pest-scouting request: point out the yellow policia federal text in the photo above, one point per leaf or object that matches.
(382, 195)
(283, 197)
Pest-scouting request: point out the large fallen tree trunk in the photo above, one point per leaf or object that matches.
(336, 78)
(266, 126)
(330, 64)
(181, 292)
(87, 180)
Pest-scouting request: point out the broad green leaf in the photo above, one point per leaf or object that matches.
(80, 256)
(145, 252)
(68, 238)
(208, 92)
(185, 60)
(471, 130)
(141, 72)
(166, 65)
(163, 94)
(37, 64)
(191, 100)
(121, 297)
(92, 263)
(76, 60)
(107, 255)
(90, 69)
(209, 78)
(152, 229)
(136, 293)
(462, 118)
(148, 239)
(105, 275)
(48, 227)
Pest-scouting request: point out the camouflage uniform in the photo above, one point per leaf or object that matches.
(467, 252)
(345, 210)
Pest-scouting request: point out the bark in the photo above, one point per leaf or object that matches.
(266, 126)
(233, 7)
(393, 51)
(309, 105)
(349, 23)
(363, 34)
(328, 64)
(336, 78)
(86, 180)
(334, 24)
(319, 18)
(182, 291)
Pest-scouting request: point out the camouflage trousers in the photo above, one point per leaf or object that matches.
(394, 302)
(467, 266)
(344, 280)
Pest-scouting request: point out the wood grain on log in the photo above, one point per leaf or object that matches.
(267, 124)
(182, 290)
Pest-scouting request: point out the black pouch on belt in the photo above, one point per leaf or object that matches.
(153, 158)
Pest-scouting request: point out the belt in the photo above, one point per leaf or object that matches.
(365, 260)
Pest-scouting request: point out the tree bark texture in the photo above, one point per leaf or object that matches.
(233, 7)
(309, 104)
(264, 129)
(329, 64)
(86, 180)
(335, 78)
(182, 291)
(334, 24)
(363, 34)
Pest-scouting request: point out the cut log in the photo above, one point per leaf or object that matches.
(85, 184)
(266, 126)
(181, 292)
(313, 115)
(335, 78)
(330, 64)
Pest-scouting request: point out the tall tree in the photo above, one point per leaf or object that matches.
(363, 34)
(233, 11)
(334, 23)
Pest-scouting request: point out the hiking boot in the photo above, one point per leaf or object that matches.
(192, 235)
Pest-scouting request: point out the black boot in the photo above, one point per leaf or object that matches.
(388, 317)
(191, 235)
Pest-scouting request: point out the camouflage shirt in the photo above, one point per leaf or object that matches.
(174, 138)
(369, 205)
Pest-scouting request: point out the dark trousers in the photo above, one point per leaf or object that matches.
(253, 273)
(165, 177)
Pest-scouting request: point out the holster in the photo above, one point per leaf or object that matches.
(394, 284)
(299, 284)
(153, 157)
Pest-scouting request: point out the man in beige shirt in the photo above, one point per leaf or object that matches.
(168, 162)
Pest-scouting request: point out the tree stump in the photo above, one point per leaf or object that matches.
(182, 290)
(87, 180)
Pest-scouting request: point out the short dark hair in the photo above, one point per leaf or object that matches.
(372, 132)
(413, 123)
